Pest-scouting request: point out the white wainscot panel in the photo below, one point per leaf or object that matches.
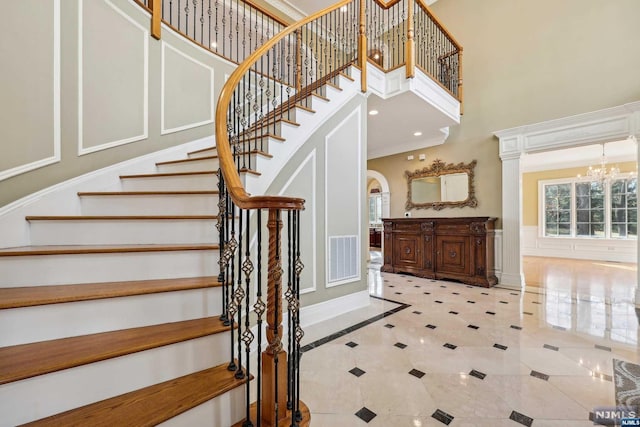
(113, 87)
(186, 92)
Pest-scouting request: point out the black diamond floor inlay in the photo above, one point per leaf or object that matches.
(416, 373)
(516, 327)
(504, 302)
(438, 302)
(484, 293)
(455, 293)
(500, 346)
(539, 375)
(357, 372)
(513, 293)
(453, 312)
(417, 312)
(351, 344)
(491, 313)
(400, 345)
(392, 286)
(477, 374)
(442, 416)
(450, 346)
(398, 293)
(602, 347)
(389, 325)
(427, 293)
(471, 302)
(430, 326)
(473, 326)
(416, 286)
(536, 302)
(442, 286)
(365, 414)
(527, 313)
(521, 418)
(551, 347)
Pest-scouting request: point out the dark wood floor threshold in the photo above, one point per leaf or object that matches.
(151, 405)
(28, 296)
(29, 360)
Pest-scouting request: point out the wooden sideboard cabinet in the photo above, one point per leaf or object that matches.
(460, 249)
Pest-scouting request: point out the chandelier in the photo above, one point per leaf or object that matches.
(601, 172)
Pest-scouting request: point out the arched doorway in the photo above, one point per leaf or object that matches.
(378, 197)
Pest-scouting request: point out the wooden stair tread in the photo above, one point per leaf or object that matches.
(266, 135)
(213, 147)
(195, 159)
(317, 95)
(151, 405)
(333, 85)
(302, 107)
(29, 360)
(149, 193)
(99, 249)
(346, 76)
(28, 296)
(116, 217)
(168, 174)
(258, 152)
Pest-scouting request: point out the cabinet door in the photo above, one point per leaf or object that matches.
(453, 255)
(407, 249)
(427, 253)
(480, 249)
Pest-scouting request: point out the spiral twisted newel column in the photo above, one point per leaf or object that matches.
(274, 358)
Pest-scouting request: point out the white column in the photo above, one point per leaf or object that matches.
(635, 130)
(512, 275)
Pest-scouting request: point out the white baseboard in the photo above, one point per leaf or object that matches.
(325, 310)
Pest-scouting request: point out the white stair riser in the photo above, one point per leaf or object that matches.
(124, 232)
(206, 153)
(171, 183)
(194, 166)
(53, 321)
(45, 395)
(224, 410)
(191, 204)
(88, 268)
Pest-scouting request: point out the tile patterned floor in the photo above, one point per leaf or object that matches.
(434, 353)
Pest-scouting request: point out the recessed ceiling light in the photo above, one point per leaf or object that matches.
(418, 133)
(214, 45)
(373, 112)
(343, 8)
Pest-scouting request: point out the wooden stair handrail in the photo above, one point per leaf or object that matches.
(232, 179)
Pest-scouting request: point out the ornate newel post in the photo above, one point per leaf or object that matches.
(411, 46)
(362, 48)
(274, 358)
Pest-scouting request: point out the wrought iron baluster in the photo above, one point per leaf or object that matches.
(259, 308)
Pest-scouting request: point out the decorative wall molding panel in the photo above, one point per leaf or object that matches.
(344, 171)
(189, 79)
(308, 217)
(16, 119)
(615, 250)
(113, 84)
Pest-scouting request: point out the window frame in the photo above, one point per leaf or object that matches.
(542, 218)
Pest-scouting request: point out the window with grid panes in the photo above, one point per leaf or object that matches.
(592, 209)
(557, 201)
(624, 208)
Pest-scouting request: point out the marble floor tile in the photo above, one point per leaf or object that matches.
(400, 368)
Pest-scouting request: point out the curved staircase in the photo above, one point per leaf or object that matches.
(86, 340)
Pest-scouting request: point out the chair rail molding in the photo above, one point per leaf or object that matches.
(609, 124)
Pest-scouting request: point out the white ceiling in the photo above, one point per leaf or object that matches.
(617, 151)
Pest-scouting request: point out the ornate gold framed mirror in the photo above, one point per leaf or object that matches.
(441, 185)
